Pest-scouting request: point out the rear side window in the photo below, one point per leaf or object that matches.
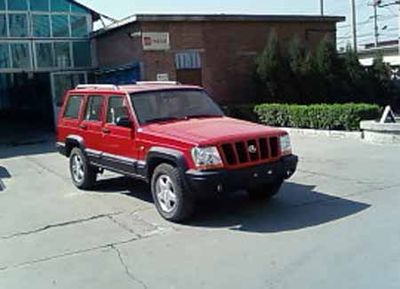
(73, 107)
(116, 109)
(93, 108)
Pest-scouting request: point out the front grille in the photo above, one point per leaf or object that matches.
(250, 151)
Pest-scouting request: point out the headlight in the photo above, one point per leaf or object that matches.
(207, 158)
(286, 147)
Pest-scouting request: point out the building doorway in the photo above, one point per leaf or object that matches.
(189, 76)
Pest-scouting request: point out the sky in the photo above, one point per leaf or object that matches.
(387, 17)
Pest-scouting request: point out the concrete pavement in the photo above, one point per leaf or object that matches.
(335, 225)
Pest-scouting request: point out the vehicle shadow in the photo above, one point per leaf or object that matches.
(4, 174)
(126, 186)
(296, 207)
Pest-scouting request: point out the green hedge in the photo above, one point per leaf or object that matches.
(241, 111)
(317, 116)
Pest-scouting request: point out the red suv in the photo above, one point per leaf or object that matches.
(175, 138)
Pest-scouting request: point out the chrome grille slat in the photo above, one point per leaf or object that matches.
(238, 153)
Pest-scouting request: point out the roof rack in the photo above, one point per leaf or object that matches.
(97, 86)
(158, 83)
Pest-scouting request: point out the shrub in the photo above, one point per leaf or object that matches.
(317, 116)
(241, 111)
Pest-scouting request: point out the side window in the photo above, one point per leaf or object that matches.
(93, 108)
(116, 108)
(73, 107)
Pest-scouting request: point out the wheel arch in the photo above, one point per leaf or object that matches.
(159, 155)
(73, 141)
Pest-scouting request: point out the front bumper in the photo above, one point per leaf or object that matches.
(203, 183)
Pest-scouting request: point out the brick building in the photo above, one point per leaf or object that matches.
(216, 51)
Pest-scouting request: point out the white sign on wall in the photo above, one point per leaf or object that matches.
(155, 41)
(162, 77)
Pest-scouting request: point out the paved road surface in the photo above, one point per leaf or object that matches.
(336, 224)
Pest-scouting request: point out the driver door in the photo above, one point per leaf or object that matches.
(119, 145)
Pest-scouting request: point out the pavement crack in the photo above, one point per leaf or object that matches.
(63, 224)
(126, 268)
(122, 226)
(67, 254)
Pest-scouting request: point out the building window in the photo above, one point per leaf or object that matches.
(17, 5)
(20, 55)
(44, 55)
(188, 60)
(60, 6)
(3, 25)
(82, 54)
(79, 26)
(41, 25)
(2, 4)
(40, 5)
(4, 56)
(62, 53)
(18, 25)
(60, 25)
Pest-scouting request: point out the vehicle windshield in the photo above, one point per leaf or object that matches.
(154, 106)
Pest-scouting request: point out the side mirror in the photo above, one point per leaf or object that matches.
(124, 121)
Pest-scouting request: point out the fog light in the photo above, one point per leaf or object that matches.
(220, 188)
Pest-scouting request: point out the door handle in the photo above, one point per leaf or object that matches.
(83, 126)
(105, 130)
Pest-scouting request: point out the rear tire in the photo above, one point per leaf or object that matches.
(82, 173)
(172, 199)
(265, 192)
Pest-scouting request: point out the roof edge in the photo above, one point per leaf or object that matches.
(217, 17)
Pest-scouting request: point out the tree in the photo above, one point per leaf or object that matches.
(270, 69)
(380, 77)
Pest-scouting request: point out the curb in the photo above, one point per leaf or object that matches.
(358, 135)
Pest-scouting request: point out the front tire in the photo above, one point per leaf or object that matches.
(82, 173)
(265, 192)
(172, 199)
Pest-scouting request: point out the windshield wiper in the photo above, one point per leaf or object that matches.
(202, 115)
(162, 119)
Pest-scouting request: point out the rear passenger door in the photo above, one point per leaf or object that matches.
(119, 144)
(92, 123)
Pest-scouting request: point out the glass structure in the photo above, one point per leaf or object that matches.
(45, 49)
(44, 34)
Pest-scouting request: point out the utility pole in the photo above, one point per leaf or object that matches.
(376, 28)
(321, 5)
(354, 23)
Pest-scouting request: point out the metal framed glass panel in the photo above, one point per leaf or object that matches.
(79, 26)
(60, 25)
(40, 5)
(78, 9)
(2, 4)
(60, 6)
(82, 54)
(44, 54)
(20, 55)
(62, 54)
(4, 55)
(3, 25)
(18, 25)
(18, 5)
(41, 25)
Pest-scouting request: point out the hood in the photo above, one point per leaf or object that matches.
(203, 131)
